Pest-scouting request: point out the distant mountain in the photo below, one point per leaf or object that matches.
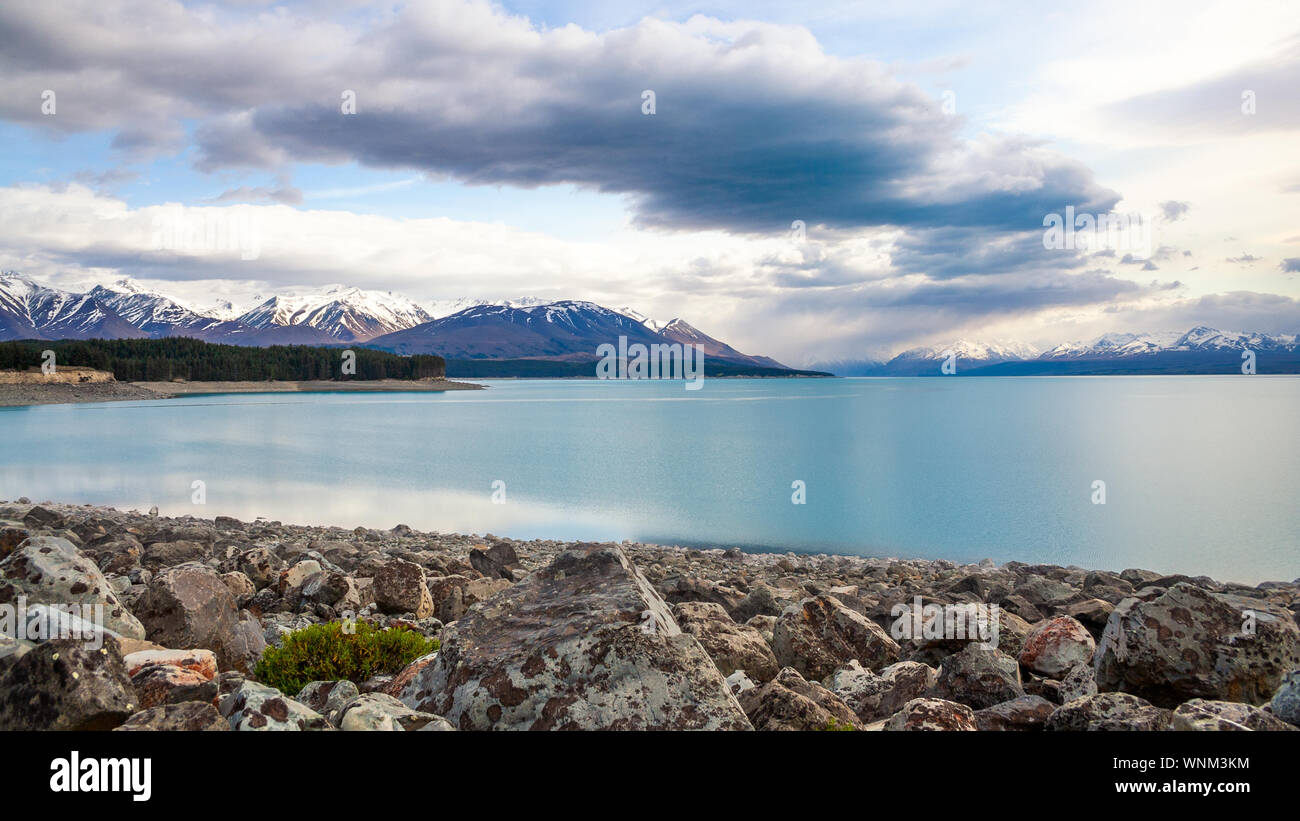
(341, 314)
(558, 330)
(1200, 350)
(929, 360)
(678, 330)
(32, 311)
(848, 367)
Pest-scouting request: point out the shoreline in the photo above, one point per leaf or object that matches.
(31, 394)
(752, 640)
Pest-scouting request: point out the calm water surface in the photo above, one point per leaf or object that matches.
(1201, 473)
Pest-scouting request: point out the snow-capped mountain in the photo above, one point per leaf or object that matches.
(1200, 338)
(344, 314)
(29, 310)
(930, 358)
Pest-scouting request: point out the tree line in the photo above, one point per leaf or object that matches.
(163, 360)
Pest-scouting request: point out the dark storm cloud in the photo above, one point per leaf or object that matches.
(754, 126)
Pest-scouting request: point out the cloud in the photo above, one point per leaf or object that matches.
(1290, 265)
(754, 124)
(1244, 259)
(1173, 211)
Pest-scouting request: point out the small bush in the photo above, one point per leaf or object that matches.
(323, 652)
(836, 726)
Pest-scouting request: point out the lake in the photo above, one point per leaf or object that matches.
(1200, 473)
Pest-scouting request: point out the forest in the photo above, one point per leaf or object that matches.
(164, 360)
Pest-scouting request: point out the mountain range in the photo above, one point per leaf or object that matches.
(569, 331)
(1199, 350)
(464, 329)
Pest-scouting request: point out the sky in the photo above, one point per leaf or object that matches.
(810, 181)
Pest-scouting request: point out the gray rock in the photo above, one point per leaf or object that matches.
(1109, 712)
(328, 697)
(1190, 643)
(1056, 646)
(731, 646)
(1201, 714)
(381, 712)
(933, 715)
(256, 707)
(50, 570)
(819, 634)
(190, 607)
(188, 716)
(1286, 701)
(66, 684)
(585, 643)
(1024, 713)
(789, 702)
(979, 677)
(399, 587)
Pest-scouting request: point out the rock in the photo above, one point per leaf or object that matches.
(42, 517)
(11, 535)
(261, 566)
(495, 561)
(188, 716)
(1080, 682)
(331, 588)
(1092, 614)
(294, 578)
(693, 589)
(1045, 593)
(66, 684)
(819, 634)
(253, 706)
(1109, 712)
(203, 662)
(1055, 646)
(789, 702)
(1024, 713)
(979, 677)
(49, 570)
(585, 643)
(159, 684)
(328, 697)
(399, 587)
(1200, 714)
(190, 607)
(1190, 643)
(1020, 606)
(1286, 701)
(169, 554)
(874, 697)
(240, 586)
(759, 602)
(448, 596)
(382, 712)
(738, 682)
(731, 646)
(931, 714)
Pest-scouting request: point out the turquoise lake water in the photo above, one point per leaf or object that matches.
(1201, 473)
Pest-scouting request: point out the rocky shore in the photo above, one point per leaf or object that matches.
(554, 635)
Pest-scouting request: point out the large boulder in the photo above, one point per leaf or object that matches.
(1109, 712)
(933, 715)
(1024, 713)
(190, 607)
(158, 684)
(819, 634)
(1055, 646)
(1201, 714)
(381, 712)
(328, 697)
(1190, 643)
(979, 677)
(496, 561)
(49, 570)
(585, 643)
(873, 696)
(188, 716)
(1286, 701)
(790, 702)
(66, 684)
(253, 706)
(731, 646)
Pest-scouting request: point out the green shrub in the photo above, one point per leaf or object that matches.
(324, 652)
(837, 726)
